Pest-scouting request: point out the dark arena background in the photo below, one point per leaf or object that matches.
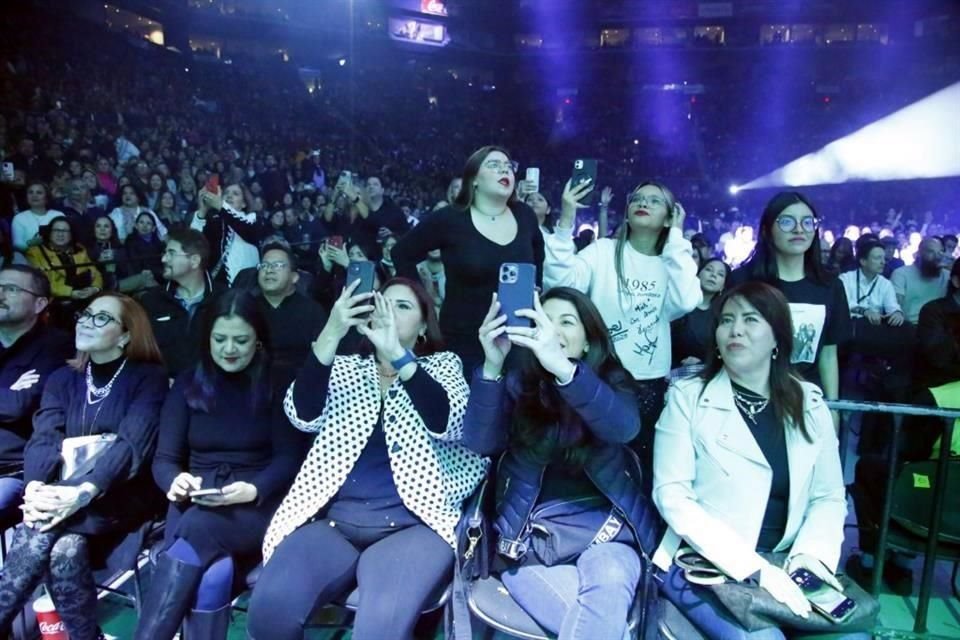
(305, 104)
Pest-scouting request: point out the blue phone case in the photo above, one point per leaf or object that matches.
(517, 283)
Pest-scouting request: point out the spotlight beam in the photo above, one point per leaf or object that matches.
(922, 140)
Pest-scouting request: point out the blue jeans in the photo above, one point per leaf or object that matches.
(710, 616)
(584, 601)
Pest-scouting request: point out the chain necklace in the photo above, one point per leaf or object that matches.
(492, 216)
(751, 405)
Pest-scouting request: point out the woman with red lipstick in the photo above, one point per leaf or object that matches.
(484, 227)
(746, 464)
(640, 281)
(788, 257)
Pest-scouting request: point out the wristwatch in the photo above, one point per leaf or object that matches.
(403, 360)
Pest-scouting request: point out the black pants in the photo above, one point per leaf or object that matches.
(650, 401)
(397, 572)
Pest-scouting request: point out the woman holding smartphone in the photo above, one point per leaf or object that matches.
(746, 462)
(379, 494)
(226, 456)
(641, 280)
(485, 227)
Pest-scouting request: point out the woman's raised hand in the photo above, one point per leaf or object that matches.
(495, 344)
(572, 197)
(347, 311)
(543, 341)
(382, 329)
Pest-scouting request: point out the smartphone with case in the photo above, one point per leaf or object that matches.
(515, 291)
(824, 598)
(8, 171)
(362, 271)
(335, 241)
(213, 183)
(533, 179)
(585, 170)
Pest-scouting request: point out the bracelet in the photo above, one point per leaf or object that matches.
(403, 360)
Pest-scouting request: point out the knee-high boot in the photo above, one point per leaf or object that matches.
(207, 625)
(172, 590)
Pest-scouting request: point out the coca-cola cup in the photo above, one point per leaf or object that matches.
(51, 626)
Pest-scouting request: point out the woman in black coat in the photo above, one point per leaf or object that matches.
(72, 515)
(223, 433)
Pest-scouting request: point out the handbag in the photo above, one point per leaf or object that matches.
(754, 608)
(562, 530)
(80, 454)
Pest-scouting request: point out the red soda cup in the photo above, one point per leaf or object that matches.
(51, 626)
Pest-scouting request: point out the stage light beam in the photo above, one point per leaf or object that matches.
(922, 140)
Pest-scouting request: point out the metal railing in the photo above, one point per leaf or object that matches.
(898, 411)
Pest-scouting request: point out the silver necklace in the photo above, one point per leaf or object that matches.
(492, 216)
(98, 394)
(750, 406)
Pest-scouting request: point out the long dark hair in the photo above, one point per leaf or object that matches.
(201, 391)
(786, 394)
(544, 424)
(464, 199)
(762, 264)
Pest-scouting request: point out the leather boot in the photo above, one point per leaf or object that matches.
(172, 590)
(207, 625)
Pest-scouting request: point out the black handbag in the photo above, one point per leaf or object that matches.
(754, 608)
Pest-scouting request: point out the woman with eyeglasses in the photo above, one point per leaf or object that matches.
(787, 256)
(641, 280)
(74, 514)
(746, 463)
(72, 273)
(226, 437)
(485, 227)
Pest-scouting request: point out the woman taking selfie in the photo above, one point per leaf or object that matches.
(640, 281)
(75, 513)
(562, 421)
(222, 433)
(485, 227)
(746, 462)
(377, 499)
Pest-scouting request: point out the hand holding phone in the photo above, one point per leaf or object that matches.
(213, 183)
(825, 598)
(364, 272)
(517, 282)
(584, 172)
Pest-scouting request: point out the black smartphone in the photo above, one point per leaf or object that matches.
(515, 291)
(362, 271)
(585, 169)
(824, 598)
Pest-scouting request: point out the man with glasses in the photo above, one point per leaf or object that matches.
(176, 309)
(29, 352)
(293, 319)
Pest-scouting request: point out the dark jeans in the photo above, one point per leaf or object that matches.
(650, 401)
(395, 571)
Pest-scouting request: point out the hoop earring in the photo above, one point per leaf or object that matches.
(775, 353)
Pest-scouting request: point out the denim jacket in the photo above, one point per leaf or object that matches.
(610, 415)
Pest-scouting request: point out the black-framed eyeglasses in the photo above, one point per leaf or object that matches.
(10, 289)
(787, 224)
(271, 266)
(99, 319)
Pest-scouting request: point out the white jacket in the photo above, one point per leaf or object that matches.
(661, 289)
(711, 482)
(434, 474)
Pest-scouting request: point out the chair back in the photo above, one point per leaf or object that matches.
(913, 499)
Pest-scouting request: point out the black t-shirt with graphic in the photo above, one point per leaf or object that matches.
(820, 317)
